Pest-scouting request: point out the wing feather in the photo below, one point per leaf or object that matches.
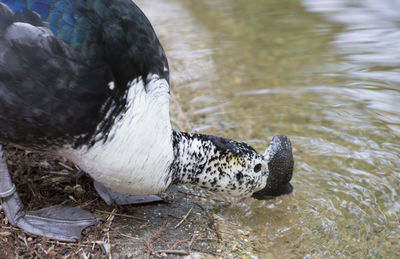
(46, 91)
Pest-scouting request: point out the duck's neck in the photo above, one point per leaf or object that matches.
(214, 163)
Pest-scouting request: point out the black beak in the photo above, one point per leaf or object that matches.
(280, 165)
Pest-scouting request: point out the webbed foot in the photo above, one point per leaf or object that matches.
(57, 222)
(112, 197)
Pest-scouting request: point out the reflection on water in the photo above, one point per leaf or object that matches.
(327, 74)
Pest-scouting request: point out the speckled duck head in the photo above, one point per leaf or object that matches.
(227, 166)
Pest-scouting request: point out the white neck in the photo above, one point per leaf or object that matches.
(136, 157)
(218, 164)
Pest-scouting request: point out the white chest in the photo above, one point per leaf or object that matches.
(138, 153)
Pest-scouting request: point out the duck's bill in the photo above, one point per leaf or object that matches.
(268, 193)
(280, 165)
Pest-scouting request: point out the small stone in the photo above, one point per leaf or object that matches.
(44, 164)
(78, 191)
(68, 189)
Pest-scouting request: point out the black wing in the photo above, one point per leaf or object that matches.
(47, 94)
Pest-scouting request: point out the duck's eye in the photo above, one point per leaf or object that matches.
(257, 168)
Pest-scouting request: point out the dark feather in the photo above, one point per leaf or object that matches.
(46, 93)
(55, 65)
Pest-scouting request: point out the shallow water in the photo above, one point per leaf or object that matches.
(325, 73)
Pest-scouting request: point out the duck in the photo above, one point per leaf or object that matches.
(88, 80)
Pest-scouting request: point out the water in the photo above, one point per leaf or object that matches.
(324, 72)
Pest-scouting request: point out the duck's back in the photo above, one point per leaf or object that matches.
(74, 22)
(48, 93)
(58, 59)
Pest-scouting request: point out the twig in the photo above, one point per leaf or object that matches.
(207, 239)
(155, 236)
(61, 173)
(107, 230)
(145, 224)
(212, 221)
(124, 235)
(69, 244)
(87, 203)
(178, 252)
(65, 166)
(177, 243)
(122, 215)
(184, 218)
(191, 242)
(108, 241)
(21, 148)
(149, 249)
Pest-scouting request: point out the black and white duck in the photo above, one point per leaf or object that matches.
(89, 81)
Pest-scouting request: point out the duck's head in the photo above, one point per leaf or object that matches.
(262, 175)
(235, 168)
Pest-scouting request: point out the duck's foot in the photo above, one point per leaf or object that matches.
(57, 222)
(112, 197)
